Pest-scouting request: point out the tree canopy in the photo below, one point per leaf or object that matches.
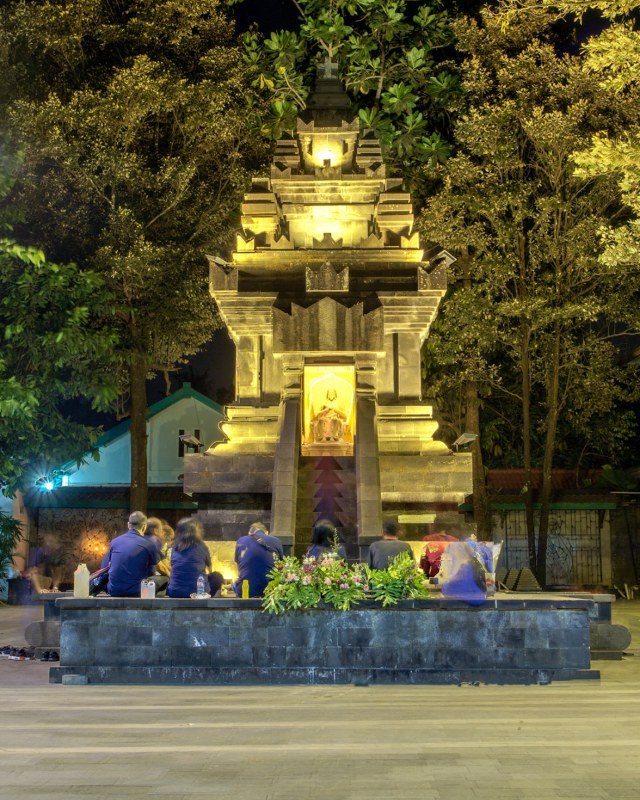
(536, 311)
(136, 153)
(57, 346)
(613, 59)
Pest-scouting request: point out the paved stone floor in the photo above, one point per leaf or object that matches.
(577, 740)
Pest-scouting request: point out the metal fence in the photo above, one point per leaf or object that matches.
(574, 548)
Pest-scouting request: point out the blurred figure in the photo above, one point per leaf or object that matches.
(324, 539)
(169, 536)
(155, 531)
(436, 545)
(162, 534)
(132, 558)
(382, 552)
(190, 558)
(465, 566)
(256, 553)
(47, 565)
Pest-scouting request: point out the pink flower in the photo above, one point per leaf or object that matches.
(344, 585)
(292, 577)
(327, 581)
(366, 587)
(306, 580)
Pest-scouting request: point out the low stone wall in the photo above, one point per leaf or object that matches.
(116, 640)
(607, 641)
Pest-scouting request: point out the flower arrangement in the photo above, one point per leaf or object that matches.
(402, 580)
(296, 584)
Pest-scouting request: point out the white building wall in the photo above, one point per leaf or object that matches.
(113, 469)
(165, 463)
(189, 415)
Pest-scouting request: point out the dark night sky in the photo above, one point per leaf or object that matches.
(270, 15)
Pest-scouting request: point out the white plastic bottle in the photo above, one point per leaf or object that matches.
(200, 586)
(81, 581)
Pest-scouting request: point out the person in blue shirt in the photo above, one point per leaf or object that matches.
(256, 553)
(132, 558)
(190, 558)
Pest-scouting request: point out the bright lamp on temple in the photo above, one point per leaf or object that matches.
(327, 157)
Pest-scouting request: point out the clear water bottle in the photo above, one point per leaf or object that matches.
(200, 586)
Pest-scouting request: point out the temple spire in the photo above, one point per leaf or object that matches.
(329, 104)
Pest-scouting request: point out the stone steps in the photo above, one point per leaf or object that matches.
(326, 489)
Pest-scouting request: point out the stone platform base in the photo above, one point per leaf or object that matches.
(198, 676)
(116, 640)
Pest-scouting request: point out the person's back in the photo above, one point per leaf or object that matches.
(255, 556)
(186, 566)
(132, 558)
(382, 553)
(317, 551)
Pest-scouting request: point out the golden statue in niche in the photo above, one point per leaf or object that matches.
(329, 422)
(329, 410)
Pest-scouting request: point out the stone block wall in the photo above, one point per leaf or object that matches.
(229, 641)
(425, 478)
(83, 534)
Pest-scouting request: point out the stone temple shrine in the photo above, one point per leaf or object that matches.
(328, 299)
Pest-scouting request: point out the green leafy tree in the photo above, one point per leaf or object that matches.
(612, 57)
(534, 298)
(132, 116)
(10, 534)
(57, 346)
(390, 58)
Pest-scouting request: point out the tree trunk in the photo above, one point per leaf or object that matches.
(549, 450)
(481, 515)
(138, 408)
(526, 441)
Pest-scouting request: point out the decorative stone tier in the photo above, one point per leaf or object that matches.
(437, 641)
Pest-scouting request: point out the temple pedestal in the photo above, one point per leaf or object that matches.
(506, 641)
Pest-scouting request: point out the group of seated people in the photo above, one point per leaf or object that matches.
(151, 550)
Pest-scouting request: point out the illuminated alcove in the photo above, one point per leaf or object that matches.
(329, 419)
